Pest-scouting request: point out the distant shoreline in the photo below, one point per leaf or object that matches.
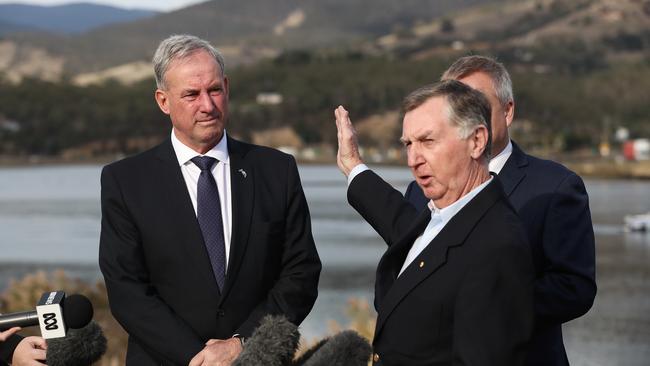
(612, 169)
(606, 169)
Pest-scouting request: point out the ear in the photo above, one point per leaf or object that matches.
(478, 142)
(162, 100)
(509, 110)
(226, 86)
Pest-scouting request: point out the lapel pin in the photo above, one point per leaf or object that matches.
(421, 264)
(243, 172)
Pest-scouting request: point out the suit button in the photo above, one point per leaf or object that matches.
(375, 358)
(221, 313)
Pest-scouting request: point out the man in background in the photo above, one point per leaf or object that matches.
(553, 204)
(455, 284)
(203, 235)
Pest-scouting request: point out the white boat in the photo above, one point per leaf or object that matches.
(637, 222)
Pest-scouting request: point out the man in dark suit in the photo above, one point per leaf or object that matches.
(203, 235)
(21, 351)
(553, 204)
(455, 285)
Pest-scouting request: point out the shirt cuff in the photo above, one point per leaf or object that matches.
(356, 171)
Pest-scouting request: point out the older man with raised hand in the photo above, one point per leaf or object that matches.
(455, 285)
(553, 204)
(203, 235)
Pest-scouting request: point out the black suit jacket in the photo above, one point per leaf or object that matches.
(7, 348)
(467, 298)
(158, 275)
(554, 207)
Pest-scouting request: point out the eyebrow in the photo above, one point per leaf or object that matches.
(418, 136)
(196, 90)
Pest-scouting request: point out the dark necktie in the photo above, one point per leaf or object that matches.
(208, 209)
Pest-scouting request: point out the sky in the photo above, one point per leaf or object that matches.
(165, 5)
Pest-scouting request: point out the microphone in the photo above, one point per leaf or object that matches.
(346, 348)
(273, 343)
(81, 347)
(54, 314)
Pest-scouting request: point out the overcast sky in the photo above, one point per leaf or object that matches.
(160, 5)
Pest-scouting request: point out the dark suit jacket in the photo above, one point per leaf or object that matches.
(7, 348)
(467, 298)
(553, 205)
(158, 275)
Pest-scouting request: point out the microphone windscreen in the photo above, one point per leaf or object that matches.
(346, 348)
(77, 311)
(273, 343)
(300, 361)
(80, 347)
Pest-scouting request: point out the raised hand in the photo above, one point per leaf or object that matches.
(348, 154)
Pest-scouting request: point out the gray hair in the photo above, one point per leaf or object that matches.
(467, 108)
(177, 47)
(468, 65)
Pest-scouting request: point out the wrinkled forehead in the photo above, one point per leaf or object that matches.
(195, 58)
(429, 117)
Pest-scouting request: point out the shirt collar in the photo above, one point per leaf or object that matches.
(498, 162)
(450, 211)
(185, 153)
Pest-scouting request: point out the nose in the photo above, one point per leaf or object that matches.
(414, 156)
(206, 103)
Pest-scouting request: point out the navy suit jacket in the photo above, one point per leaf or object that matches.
(552, 202)
(158, 274)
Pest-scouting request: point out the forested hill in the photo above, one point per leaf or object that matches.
(245, 30)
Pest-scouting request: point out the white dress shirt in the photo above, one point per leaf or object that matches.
(439, 219)
(497, 162)
(220, 172)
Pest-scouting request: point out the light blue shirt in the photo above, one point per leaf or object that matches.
(439, 218)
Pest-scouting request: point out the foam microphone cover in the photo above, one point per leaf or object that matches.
(273, 343)
(80, 347)
(77, 311)
(346, 348)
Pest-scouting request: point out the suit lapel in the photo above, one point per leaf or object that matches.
(434, 255)
(513, 171)
(242, 181)
(391, 262)
(182, 211)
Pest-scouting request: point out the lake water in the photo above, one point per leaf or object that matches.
(50, 218)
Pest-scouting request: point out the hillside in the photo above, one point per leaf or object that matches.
(9, 27)
(237, 28)
(532, 31)
(69, 18)
(542, 34)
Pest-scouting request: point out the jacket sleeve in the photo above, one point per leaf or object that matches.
(381, 205)
(133, 300)
(296, 287)
(567, 286)
(7, 348)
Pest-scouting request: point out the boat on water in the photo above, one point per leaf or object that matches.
(639, 223)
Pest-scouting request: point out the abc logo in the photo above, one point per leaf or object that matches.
(50, 321)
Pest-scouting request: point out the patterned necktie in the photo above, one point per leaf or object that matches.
(209, 216)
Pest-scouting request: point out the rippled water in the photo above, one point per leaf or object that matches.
(50, 218)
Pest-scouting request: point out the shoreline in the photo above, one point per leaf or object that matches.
(604, 169)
